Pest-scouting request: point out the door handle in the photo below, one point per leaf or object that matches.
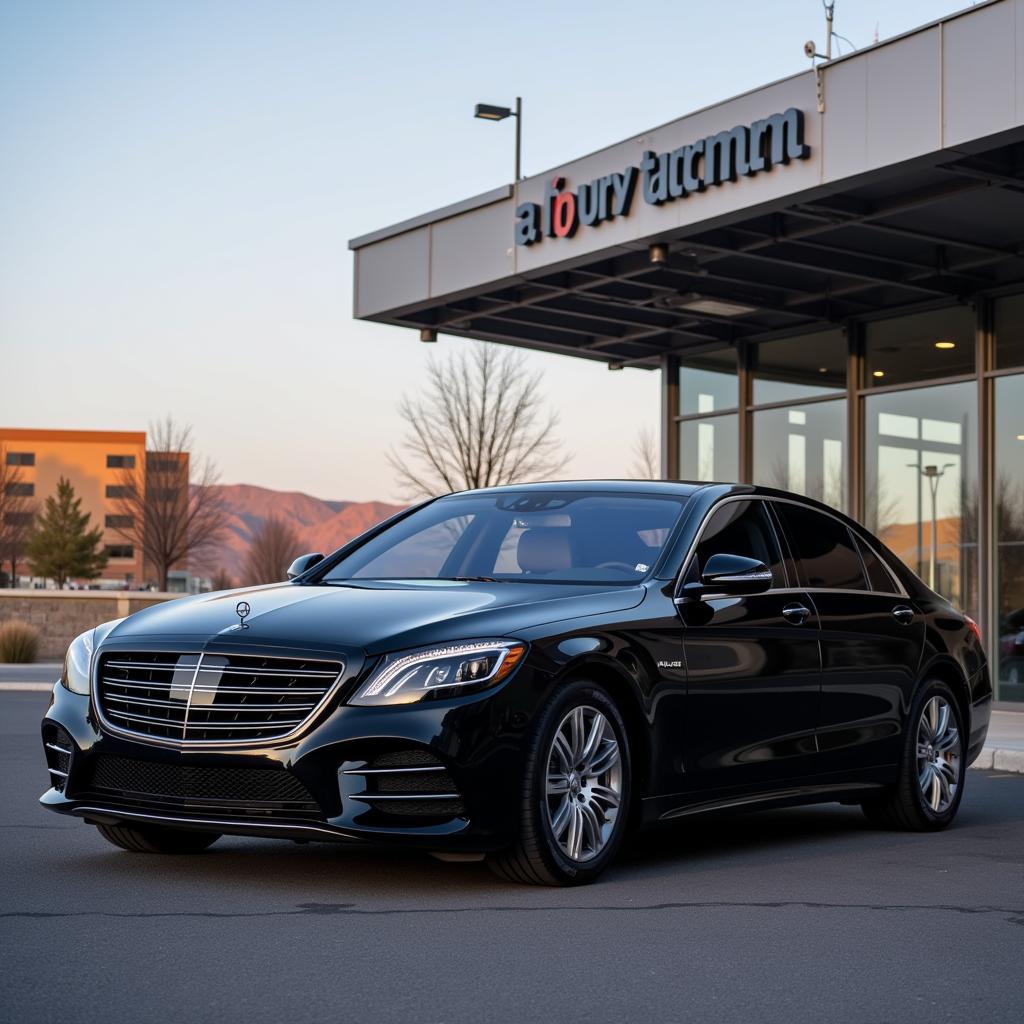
(796, 613)
(903, 615)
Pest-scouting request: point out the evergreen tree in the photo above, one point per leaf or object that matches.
(62, 546)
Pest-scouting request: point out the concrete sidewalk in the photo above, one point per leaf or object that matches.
(1004, 747)
(40, 676)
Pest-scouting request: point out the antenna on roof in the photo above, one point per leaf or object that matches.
(810, 47)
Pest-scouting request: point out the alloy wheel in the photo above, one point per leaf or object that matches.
(584, 783)
(939, 755)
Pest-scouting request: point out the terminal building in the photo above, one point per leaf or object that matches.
(826, 272)
(96, 463)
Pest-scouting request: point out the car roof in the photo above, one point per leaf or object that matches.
(675, 488)
(710, 491)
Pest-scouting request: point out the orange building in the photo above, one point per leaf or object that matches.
(95, 461)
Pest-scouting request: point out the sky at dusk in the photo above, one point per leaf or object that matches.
(179, 181)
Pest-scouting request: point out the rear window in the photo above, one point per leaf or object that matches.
(878, 576)
(825, 550)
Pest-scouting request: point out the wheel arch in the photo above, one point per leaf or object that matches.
(623, 692)
(946, 670)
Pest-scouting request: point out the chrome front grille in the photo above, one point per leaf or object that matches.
(211, 699)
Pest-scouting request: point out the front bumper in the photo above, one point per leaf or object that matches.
(444, 776)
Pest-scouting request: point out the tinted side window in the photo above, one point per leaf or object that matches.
(824, 547)
(878, 576)
(742, 528)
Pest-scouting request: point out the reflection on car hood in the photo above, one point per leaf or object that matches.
(374, 616)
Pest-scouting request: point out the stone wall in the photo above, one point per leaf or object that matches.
(60, 615)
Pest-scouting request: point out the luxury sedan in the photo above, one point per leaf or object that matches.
(525, 673)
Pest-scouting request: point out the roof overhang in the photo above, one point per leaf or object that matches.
(906, 188)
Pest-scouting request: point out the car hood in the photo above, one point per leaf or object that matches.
(370, 615)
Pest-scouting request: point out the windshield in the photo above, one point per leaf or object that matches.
(531, 536)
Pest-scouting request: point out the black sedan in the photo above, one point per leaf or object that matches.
(523, 674)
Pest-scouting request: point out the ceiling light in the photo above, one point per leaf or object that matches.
(697, 303)
(878, 373)
(945, 344)
(1020, 437)
(822, 369)
(428, 334)
(658, 253)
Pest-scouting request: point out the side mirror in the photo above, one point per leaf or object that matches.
(303, 563)
(729, 576)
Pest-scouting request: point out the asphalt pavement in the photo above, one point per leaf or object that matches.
(796, 915)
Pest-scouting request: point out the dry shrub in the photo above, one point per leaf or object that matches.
(19, 642)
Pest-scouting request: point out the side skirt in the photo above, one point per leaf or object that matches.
(790, 793)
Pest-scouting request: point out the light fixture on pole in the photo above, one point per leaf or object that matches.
(489, 112)
(933, 474)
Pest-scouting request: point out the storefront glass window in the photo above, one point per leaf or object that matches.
(921, 484)
(803, 449)
(708, 383)
(1008, 491)
(709, 448)
(1009, 328)
(924, 346)
(807, 366)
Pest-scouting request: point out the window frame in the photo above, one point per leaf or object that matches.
(858, 539)
(691, 551)
(788, 551)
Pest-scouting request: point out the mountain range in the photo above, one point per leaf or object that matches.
(321, 525)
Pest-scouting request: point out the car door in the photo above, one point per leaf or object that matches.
(871, 638)
(752, 662)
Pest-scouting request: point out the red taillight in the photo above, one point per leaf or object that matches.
(973, 627)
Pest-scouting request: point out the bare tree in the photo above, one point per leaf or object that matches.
(17, 516)
(222, 580)
(646, 458)
(169, 508)
(274, 547)
(478, 422)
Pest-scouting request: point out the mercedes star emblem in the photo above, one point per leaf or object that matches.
(242, 609)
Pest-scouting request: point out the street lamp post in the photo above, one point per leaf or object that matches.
(489, 112)
(933, 474)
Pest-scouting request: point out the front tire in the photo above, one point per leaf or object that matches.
(157, 838)
(931, 783)
(576, 792)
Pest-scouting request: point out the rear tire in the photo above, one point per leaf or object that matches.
(157, 838)
(576, 792)
(932, 773)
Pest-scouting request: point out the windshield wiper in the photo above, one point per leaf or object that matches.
(473, 579)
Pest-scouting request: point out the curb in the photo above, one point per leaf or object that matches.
(994, 759)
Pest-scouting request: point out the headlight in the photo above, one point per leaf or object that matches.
(78, 661)
(440, 671)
